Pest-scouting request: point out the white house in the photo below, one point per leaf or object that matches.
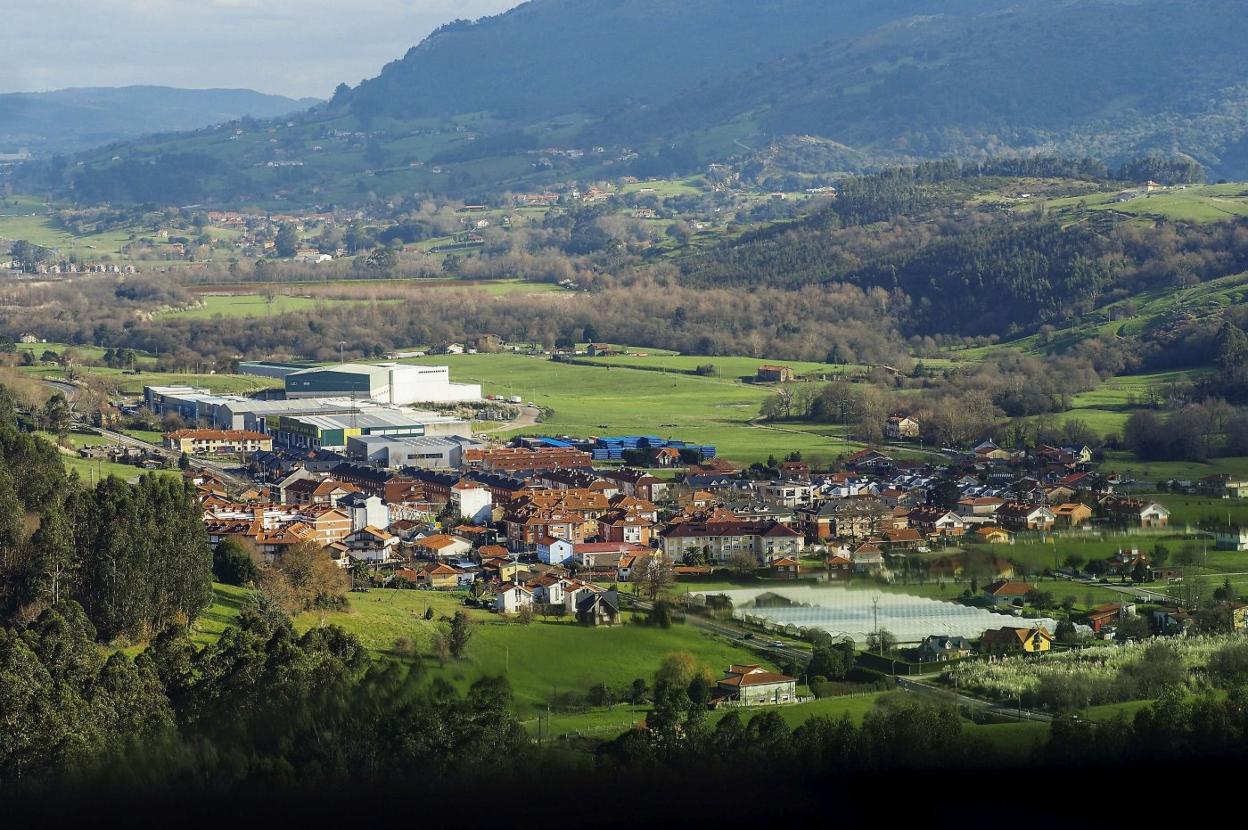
(371, 545)
(554, 551)
(473, 502)
(512, 597)
(365, 511)
(547, 590)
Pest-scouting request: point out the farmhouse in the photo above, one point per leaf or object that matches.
(901, 427)
(755, 686)
(774, 374)
(1006, 591)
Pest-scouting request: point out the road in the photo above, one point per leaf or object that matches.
(740, 636)
(942, 695)
(71, 393)
(528, 418)
(198, 463)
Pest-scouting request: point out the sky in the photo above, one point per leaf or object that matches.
(300, 48)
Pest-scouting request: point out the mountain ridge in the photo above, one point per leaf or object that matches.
(78, 118)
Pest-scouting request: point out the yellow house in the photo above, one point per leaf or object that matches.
(993, 535)
(1006, 640)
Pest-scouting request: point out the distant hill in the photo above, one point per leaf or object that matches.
(76, 119)
(589, 89)
(550, 57)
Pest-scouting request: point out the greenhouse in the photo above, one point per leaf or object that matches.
(855, 613)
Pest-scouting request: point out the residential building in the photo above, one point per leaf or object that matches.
(512, 597)
(1006, 640)
(755, 686)
(725, 539)
(1135, 512)
(218, 441)
(1018, 516)
(1231, 538)
(598, 608)
(1005, 591)
(901, 428)
(441, 546)
(473, 502)
(1072, 515)
(552, 551)
(943, 647)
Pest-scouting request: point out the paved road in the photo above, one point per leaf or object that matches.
(945, 695)
(741, 636)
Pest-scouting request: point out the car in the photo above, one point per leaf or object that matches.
(777, 643)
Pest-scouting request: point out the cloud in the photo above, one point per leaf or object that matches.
(293, 47)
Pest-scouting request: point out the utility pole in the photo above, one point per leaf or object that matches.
(875, 617)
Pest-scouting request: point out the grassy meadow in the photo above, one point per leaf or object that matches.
(589, 400)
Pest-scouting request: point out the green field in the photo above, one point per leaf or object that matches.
(591, 400)
(247, 305)
(539, 660)
(27, 219)
(1209, 203)
(92, 470)
(725, 367)
(132, 383)
(1155, 471)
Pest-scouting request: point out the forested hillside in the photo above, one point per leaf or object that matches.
(556, 90)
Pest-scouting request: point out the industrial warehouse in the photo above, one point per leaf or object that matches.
(393, 383)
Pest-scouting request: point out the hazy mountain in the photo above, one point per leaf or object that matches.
(1108, 78)
(836, 84)
(560, 56)
(80, 118)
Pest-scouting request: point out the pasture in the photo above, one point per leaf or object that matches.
(540, 660)
(588, 400)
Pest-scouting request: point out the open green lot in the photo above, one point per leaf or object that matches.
(540, 660)
(725, 367)
(132, 383)
(91, 470)
(588, 400)
(248, 305)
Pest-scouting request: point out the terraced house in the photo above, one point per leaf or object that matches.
(723, 540)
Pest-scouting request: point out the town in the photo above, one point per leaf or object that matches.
(586, 528)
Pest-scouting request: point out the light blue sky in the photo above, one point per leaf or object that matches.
(290, 47)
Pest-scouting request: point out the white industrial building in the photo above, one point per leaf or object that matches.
(393, 383)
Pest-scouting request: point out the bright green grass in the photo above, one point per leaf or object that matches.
(132, 384)
(591, 400)
(540, 659)
(91, 470)
(254, 305)
(19, 224)
(665, 188)
(1155, 471)
(1190, 510)
(606, 723)
(227, 603)
(1211, 203)
(726, 367)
